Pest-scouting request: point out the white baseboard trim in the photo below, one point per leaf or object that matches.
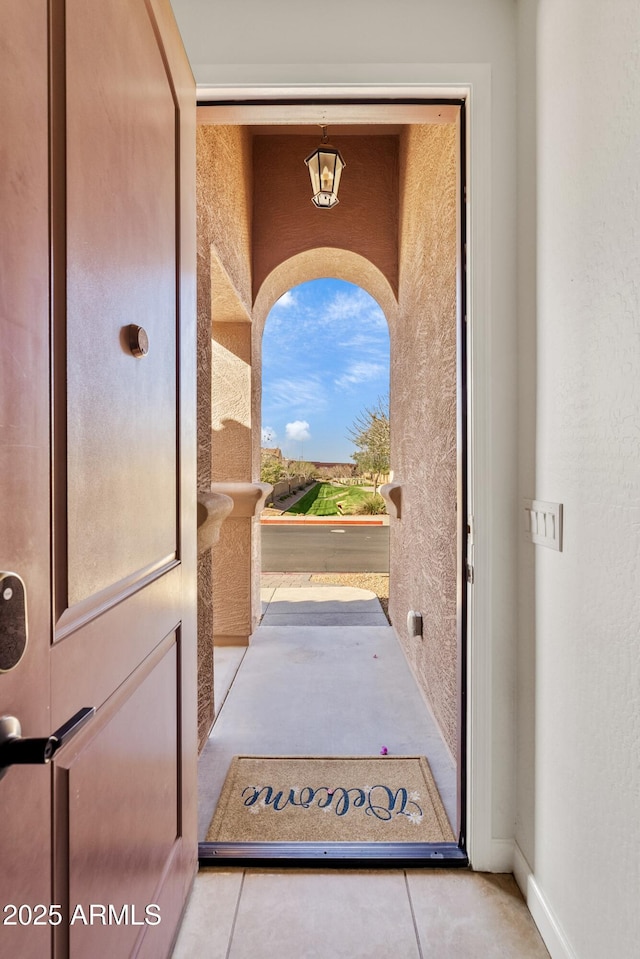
(550, 929)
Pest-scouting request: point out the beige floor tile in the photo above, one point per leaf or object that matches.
(466, 915)
(208, 919)
(324, 914)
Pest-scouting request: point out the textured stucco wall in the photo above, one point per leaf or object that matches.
(231, 402)
(205, 578)
(286, 222)
(582, 833)
(225, 209)
(223, 185)
(205, 647)
(423, 417)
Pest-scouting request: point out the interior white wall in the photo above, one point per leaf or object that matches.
(255, 43)
(578, 823)
(527, 369)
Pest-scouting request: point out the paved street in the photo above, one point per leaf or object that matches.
(335, 549)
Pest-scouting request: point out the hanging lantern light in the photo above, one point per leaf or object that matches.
(325, 167)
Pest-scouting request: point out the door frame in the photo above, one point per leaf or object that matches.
(471, 83)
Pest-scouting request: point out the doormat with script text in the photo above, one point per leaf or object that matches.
(329, 799)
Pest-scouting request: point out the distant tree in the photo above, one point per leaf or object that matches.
(306, 470)
(272, 468)
(336, 472)
(371, 435)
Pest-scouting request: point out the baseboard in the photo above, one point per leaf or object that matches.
(548, 926)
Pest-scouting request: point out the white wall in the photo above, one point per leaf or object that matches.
(579, 819)
(527, 369)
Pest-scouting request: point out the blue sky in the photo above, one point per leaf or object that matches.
(325, 358)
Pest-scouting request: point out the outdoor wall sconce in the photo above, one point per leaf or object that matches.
(325, 167)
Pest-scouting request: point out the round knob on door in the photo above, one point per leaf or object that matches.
(138, 340)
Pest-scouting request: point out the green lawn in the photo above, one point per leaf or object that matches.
(322, 500)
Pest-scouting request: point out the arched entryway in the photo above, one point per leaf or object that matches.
(412, 269)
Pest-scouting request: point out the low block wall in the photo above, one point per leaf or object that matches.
(284, 488)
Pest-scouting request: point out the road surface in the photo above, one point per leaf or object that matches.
(316, 549)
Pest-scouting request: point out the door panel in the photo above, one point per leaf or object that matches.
(24, 450)
(97, 455)
(121, 254)
(116, 642)
(125, 480)
(123, 814)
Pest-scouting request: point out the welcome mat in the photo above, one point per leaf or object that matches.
(346, 799)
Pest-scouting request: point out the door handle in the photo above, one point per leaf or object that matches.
(18, 750)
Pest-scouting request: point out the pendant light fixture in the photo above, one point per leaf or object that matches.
(325, 167)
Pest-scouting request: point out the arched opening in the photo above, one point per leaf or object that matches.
(325, 363)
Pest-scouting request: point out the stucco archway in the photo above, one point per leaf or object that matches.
(315, 264)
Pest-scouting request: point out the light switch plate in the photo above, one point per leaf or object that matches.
(543, 523)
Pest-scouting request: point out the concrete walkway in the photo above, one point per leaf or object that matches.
(324, 675)
(321, 606)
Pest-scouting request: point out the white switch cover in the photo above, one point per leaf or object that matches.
(543, 523)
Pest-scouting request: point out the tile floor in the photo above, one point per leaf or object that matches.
(348, 914)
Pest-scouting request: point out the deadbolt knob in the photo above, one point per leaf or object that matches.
(138, 340)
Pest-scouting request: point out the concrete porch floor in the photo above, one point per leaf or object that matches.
(324, 674)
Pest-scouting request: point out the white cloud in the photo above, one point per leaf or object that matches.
(295, 395)
(269, 435)
(298, 431)
(360, 372)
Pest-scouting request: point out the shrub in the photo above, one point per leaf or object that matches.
(373, 505)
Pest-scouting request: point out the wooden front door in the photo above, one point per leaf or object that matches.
(97, 453)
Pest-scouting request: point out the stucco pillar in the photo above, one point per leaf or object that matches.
(236, 600)
(235, 610)
(231, 402)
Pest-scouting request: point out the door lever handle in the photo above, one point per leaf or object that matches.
(17, 750)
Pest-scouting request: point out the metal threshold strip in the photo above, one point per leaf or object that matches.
(441, 854)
